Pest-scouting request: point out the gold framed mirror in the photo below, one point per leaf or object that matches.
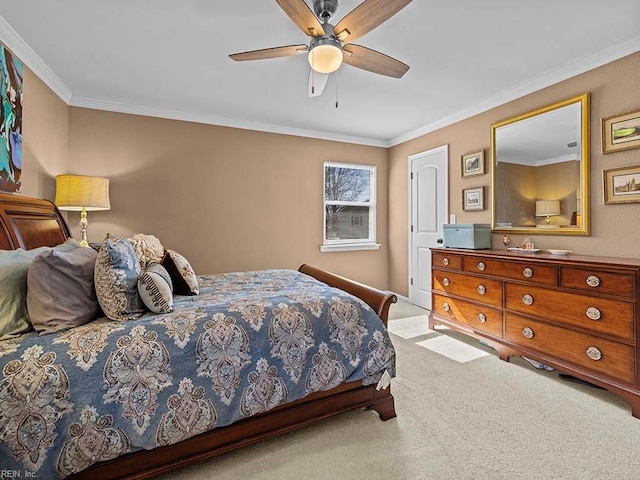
(540, 171)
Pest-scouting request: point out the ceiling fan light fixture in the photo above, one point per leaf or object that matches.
(325, 57)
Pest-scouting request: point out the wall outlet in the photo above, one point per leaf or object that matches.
(452, 218)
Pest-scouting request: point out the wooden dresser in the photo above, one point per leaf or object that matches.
(579, 314)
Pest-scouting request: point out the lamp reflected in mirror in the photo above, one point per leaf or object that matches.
(547, 208)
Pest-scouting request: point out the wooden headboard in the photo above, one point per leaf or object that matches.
(27, 222)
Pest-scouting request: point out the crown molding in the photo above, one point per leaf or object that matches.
(25, 53)
(582, 65)
(160, 112)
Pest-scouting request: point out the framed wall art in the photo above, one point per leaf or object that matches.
(621, 132)
(473, 199)
(621, 185)
(10, 121)
(473, 163)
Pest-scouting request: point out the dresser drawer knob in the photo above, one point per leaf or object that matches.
(445, 282)
(593, 281)
(481, 266)
(527, 272)
(593, 313)
(446, 307)
(482, 317)
(527, 332)
(527, 299)
(594, 353)
(445, 261)
(481, 289)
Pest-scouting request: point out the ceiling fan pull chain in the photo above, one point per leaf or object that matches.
(313, 81)
(336, 94)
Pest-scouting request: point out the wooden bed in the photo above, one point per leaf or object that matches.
(29, 223)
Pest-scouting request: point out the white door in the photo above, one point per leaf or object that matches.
(429, 197)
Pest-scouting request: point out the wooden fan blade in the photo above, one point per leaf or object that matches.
(274, 52)
(302, 16)
(372, 61)
(317, 82)
(367, 16)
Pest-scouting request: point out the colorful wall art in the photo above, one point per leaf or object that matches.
(10, 121)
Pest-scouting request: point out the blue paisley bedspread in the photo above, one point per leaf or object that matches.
(249, 342)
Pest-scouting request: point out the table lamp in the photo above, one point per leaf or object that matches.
(547, 208)
(80, 193)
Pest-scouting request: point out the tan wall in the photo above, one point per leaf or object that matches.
(45, 147)
(519, 207)
(228, 199)
(615, 229)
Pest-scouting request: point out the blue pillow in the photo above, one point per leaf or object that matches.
(116, 280)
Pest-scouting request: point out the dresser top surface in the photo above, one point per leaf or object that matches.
(544, 257)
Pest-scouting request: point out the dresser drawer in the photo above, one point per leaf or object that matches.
(480, 289)
(591, 280)
(527, 271)
(603, 315)
(606, 357)
(478, 317)
(446, 260)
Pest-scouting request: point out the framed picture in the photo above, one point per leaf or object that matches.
(621, 185)
(473, 163)
(621, 132)
(473, 199)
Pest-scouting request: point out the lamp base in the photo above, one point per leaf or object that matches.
(84, 223)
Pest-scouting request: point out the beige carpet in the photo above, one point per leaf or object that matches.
(481, 419)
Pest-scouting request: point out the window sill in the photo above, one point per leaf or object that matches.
(349, 247)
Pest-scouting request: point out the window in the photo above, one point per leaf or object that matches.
(349, 207)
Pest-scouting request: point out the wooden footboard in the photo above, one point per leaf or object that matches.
(349, 396)
(376, 299)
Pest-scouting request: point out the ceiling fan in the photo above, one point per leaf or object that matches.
(328, 49)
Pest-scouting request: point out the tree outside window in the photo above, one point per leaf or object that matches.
(349, 200)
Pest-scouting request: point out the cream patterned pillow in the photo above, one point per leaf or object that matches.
(185, 281)
(116, 280)
(155, 289)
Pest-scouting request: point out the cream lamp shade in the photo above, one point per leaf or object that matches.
(547, 208)
(81, 193)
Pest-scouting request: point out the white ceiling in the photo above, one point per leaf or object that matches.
(169, 58)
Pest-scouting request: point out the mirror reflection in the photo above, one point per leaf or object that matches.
(540, 169)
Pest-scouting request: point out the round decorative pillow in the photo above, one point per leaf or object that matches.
(156, 289)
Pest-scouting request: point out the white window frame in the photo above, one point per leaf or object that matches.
(351, 244)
